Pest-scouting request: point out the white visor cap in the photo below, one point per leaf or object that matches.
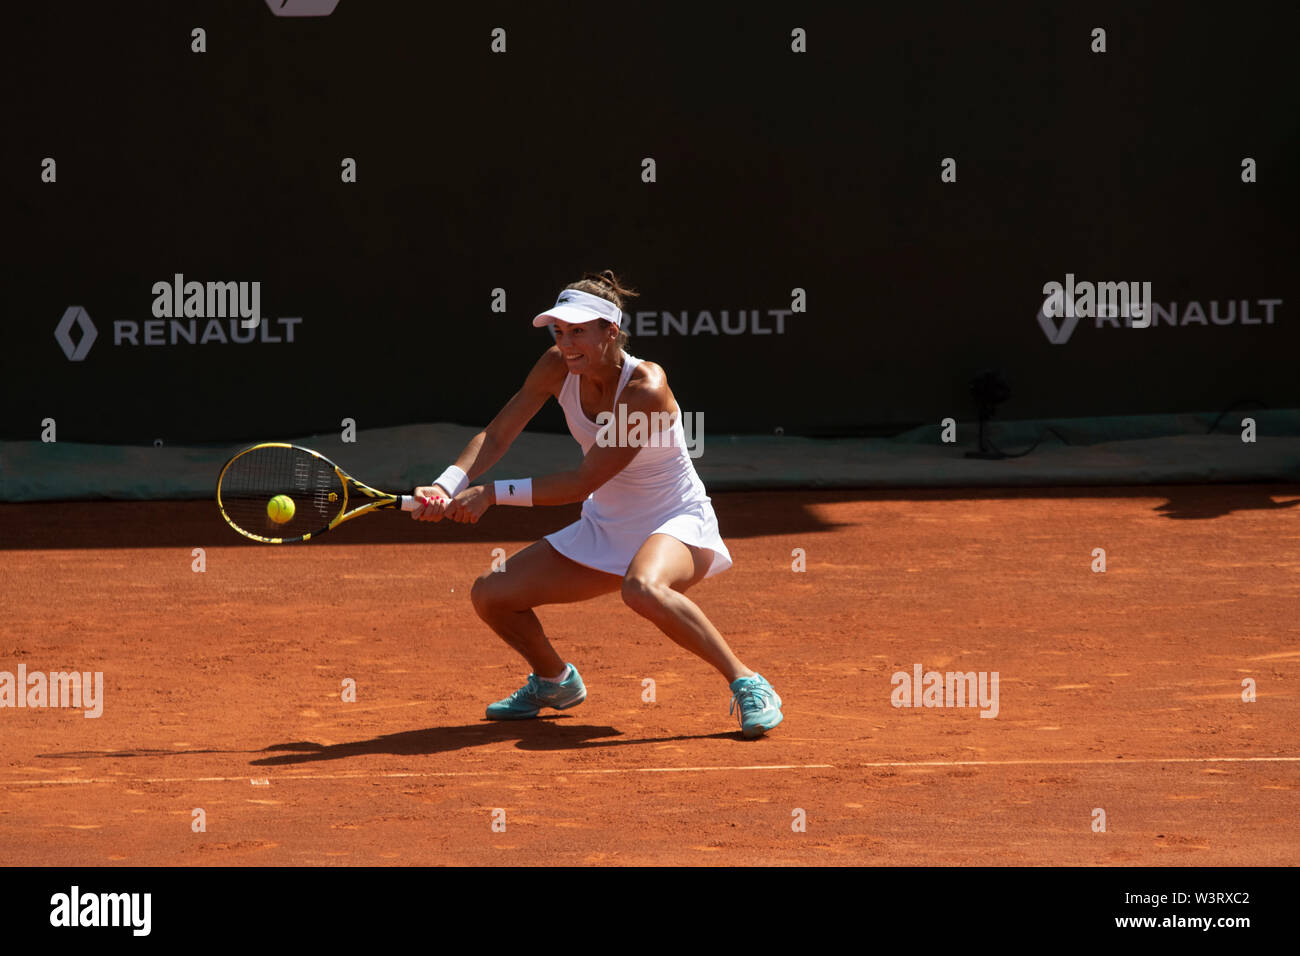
(576, 306)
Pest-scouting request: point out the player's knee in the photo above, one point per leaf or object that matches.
(483, 595)
(642, 595)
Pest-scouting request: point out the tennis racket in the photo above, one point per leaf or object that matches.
(320, 490)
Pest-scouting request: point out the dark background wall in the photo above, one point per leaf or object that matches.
(775, 170)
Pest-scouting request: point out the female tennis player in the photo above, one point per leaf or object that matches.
(647, 527)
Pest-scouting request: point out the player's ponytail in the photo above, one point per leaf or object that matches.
(607, 285)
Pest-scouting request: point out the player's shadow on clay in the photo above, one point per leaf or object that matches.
(1215, 502)
(545, 733)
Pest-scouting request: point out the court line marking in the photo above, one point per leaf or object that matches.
(398, 774)
(1117, 761)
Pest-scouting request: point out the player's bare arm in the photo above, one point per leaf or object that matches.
(646, 394)
(486, 448)
(648, 397)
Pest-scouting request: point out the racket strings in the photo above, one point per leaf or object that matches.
(253, 479)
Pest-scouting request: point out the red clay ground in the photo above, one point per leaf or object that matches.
(1119, 691)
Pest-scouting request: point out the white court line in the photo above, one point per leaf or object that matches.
(362, 775)
(1117, 761)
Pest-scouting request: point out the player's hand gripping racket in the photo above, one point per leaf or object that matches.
(278, 494)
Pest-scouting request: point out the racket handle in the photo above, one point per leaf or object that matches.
(408, 502)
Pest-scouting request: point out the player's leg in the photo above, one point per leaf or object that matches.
(654, 587)
(535, 576)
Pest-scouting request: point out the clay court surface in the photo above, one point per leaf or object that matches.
(1119, 691)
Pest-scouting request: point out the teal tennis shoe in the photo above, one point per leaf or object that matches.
(528, 700)
(759, 705)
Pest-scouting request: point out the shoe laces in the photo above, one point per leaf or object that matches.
(530, 688)
(750, 694)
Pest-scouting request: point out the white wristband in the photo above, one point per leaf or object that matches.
(516, 491)
(453, 480)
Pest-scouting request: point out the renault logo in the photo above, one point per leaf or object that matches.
(302, 8)
(75, 315)
(1055, 335)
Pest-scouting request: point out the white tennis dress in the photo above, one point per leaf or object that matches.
(657, 493)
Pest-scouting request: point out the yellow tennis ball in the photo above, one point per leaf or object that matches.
(280, 509)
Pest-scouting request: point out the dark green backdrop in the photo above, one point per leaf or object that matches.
(775, 170)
